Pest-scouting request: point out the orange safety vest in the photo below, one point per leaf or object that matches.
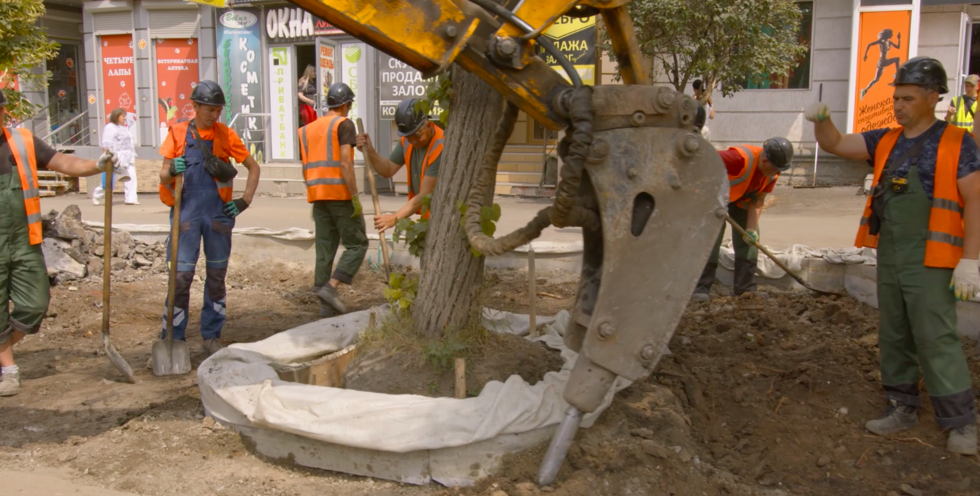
(944, 240)
(219, 148)
(739, 184)
(320, 150)
(21, 143)
(431, 154)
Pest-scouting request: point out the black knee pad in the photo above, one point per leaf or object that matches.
(215, 283)
(182, 295)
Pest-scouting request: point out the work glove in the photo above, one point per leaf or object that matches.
(105, 160)
(177, 166)
(817, 112)
(358, 209)
(235, 207)
(750, 237)
(966, 280)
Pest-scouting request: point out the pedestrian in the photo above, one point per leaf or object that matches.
(199, 150)
(962, 108)
(752, 174)
(709, 106)
(307, 95)
(922, 218)
(419, 150)
(116, 137)
(327, 149)
(23, 274)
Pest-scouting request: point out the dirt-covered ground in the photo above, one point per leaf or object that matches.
(760, 396)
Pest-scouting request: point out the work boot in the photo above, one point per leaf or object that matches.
(706, 280)
(744, 280)
(897, 418)
(10, 386)
(326, 310)
(701, 297)
(211, 346)
(963, 440)
(329, 295)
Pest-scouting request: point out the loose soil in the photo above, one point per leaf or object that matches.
(760, 396)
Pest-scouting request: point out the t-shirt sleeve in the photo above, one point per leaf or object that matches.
(168, 149)
(236, 147)
(433, 170)
(969, 157)
(43, 153)
(733, 161)
(347, 133)
(871, 139)
(397, 156)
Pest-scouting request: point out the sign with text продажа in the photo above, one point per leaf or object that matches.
(239, 66)
(118, 79)
(177, 74)
(283, 109)
(575, 39)
(399, 81)
(883, 46)
(352, 69)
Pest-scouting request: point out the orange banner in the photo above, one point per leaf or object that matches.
(883, 46)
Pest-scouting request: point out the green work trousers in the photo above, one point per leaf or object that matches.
(746, 257)
(918, 314)
(334, 226)
(23, 275)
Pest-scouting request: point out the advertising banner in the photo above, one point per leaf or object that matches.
(118, 78)
(281, 68)
(325, 69)
(239, 66)
(398, 81)
(177, 74)
(284, 24)
(575, 39)
(353, 67)
(883, 46)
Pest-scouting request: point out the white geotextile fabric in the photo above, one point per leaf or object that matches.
(794, 256)
(238, 385)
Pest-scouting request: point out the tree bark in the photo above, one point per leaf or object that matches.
(451, 276)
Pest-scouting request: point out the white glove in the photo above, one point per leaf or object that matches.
(106, 159)
(817, 112)
(966, 280)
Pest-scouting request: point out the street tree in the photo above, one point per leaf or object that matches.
(23, 47)
(731, 43)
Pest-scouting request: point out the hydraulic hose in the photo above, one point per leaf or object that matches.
(581, 113)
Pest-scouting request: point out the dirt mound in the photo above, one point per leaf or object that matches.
(400, 372)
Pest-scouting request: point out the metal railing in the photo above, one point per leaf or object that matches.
(73, 132)
(252, 132)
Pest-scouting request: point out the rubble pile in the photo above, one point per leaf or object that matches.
(74, 251)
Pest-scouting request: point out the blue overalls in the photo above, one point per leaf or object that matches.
(201, 216)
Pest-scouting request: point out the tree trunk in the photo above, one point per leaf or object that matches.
(451, 276)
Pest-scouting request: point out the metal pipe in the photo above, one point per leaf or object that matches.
(558, 449)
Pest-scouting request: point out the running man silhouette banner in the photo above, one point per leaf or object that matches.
(883, 44)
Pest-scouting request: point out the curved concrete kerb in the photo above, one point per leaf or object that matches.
(405, 438)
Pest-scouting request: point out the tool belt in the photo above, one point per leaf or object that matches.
(896, 184)
(219, 169)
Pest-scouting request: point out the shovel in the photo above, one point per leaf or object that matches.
(772, 257)
(377, 205)
(110, 350)
(172, 357)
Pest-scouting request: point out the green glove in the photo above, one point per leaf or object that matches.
(177, 166)
(750, 237)
(235, 207)
(358, 209)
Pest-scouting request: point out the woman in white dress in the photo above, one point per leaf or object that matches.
(116, 137)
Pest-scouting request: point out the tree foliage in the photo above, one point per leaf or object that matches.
(720, 41)
(23, 46)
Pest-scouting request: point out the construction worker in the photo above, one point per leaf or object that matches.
(327, 149)
(420, 150)
(962, 108)
(752, 174)
(200, 150)
(23, 275)
(922, 218)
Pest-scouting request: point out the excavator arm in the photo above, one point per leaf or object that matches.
(647, 192)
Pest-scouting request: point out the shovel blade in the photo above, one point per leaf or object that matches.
(117, 360)
(170, 358)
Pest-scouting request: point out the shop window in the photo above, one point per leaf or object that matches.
(799, 76)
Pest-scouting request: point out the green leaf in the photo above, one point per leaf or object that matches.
(495, 212)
